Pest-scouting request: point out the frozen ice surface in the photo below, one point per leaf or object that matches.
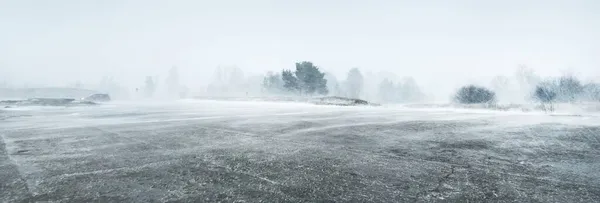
(210, 151)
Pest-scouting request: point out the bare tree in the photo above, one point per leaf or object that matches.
(546, 95)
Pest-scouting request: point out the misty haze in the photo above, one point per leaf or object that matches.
(299, 101)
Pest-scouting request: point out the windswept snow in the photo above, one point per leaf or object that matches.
(208, 151)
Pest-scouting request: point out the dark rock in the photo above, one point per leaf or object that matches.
(97, 98)
(46, 102)
(50, 101)
(341, 101)
(9, 102)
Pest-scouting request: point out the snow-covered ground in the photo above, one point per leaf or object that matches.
(205, 151)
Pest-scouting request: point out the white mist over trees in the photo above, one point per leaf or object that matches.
(174, 88)
(354, 83)
(333, 85)
(502, 86)
(109, 86)
(410, 91)
(527, 80)
(150, 86)
(306, 79)
(173, 82)
(404, 91)
(388, 91)
(273, 84)
(227, 81)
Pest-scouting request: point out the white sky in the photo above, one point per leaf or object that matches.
(58, 42)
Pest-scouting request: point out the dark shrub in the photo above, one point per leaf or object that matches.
(97, 98)
(544, 94)
(472, 94)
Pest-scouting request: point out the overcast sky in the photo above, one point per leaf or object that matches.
(58, 42)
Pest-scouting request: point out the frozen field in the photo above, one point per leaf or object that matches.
(209, 151)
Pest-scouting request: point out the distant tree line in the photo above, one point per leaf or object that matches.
(403, 91)
(173, 87)
(565, 89)
(547, 92)
(307, 79)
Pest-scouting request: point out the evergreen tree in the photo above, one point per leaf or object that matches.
(310, 79)
(307, 79)
(290, 82)
(387, 91)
